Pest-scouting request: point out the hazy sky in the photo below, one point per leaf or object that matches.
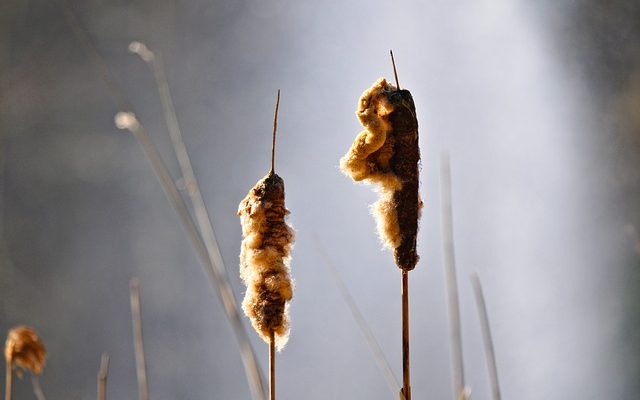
(496, 84)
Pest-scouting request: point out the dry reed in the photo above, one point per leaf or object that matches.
(103, 374)
(138, 341)
(487, 340)
(128, 120)
(221, 285)
(460, 390)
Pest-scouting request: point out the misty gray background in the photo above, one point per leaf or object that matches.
(537, 103)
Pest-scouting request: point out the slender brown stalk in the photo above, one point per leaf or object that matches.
(459, 388)
(103, 374)
(272, 366)
(406, 364)
(275, 128)
(138, 342)
(370, 339)
(395, 73)
(489, 351)
(9, 381)
(37, 389)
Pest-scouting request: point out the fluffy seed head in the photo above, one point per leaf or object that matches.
(24, 349)
(264, 258)
(386, 154)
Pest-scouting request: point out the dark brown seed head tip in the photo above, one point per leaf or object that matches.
(406, 261)
(270, 187)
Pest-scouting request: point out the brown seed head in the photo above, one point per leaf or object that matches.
(386, 153)
(264, 258)
(24, 349)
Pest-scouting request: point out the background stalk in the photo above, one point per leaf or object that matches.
(222, 287)
(455, 334)
(370, 339)
(489, 352)
(37, 388)
(138, 341)
(224, 291)
(202, 217)
(103, 374)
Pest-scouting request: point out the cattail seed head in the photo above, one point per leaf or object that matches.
(386, 153)
(24, 349)
(264, 258)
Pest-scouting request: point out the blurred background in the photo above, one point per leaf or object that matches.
(538, 104)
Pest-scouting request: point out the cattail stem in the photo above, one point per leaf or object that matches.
(406, 365)
(272, 366)
(136, 319)
(103, 374)
(9, 383)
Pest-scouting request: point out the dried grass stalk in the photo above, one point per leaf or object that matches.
(386, 153)
(264, 259)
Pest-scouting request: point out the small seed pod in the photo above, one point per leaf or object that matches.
(264, 258)
(386, 153)
(25, 350)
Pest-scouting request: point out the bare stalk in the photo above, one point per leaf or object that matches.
(370, 339)
(395, 73)
(273, 142)
(154, 60)
(37, 389)
(222, 286)
(138, 343)
(406, 364)
(103, 374)
(451, 280)
(9, 381)
(489, 351)
(272, 367)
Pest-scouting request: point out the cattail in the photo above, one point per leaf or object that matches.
(386, 153)
(265, 255)
(264, 258)
(25, 350)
